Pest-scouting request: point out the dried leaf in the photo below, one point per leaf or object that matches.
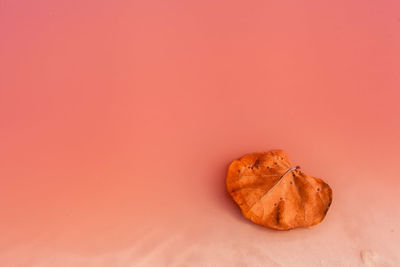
(273, 193)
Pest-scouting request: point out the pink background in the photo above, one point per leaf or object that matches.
(118, 120)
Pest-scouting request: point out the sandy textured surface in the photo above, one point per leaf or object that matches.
(361, 230)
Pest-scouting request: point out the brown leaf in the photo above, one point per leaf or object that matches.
(273, 193)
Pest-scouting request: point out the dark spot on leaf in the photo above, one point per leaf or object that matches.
(318, 189)
(278, 213)
(256, 163)
(291, 182)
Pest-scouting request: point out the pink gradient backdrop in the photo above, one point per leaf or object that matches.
(118, 120)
